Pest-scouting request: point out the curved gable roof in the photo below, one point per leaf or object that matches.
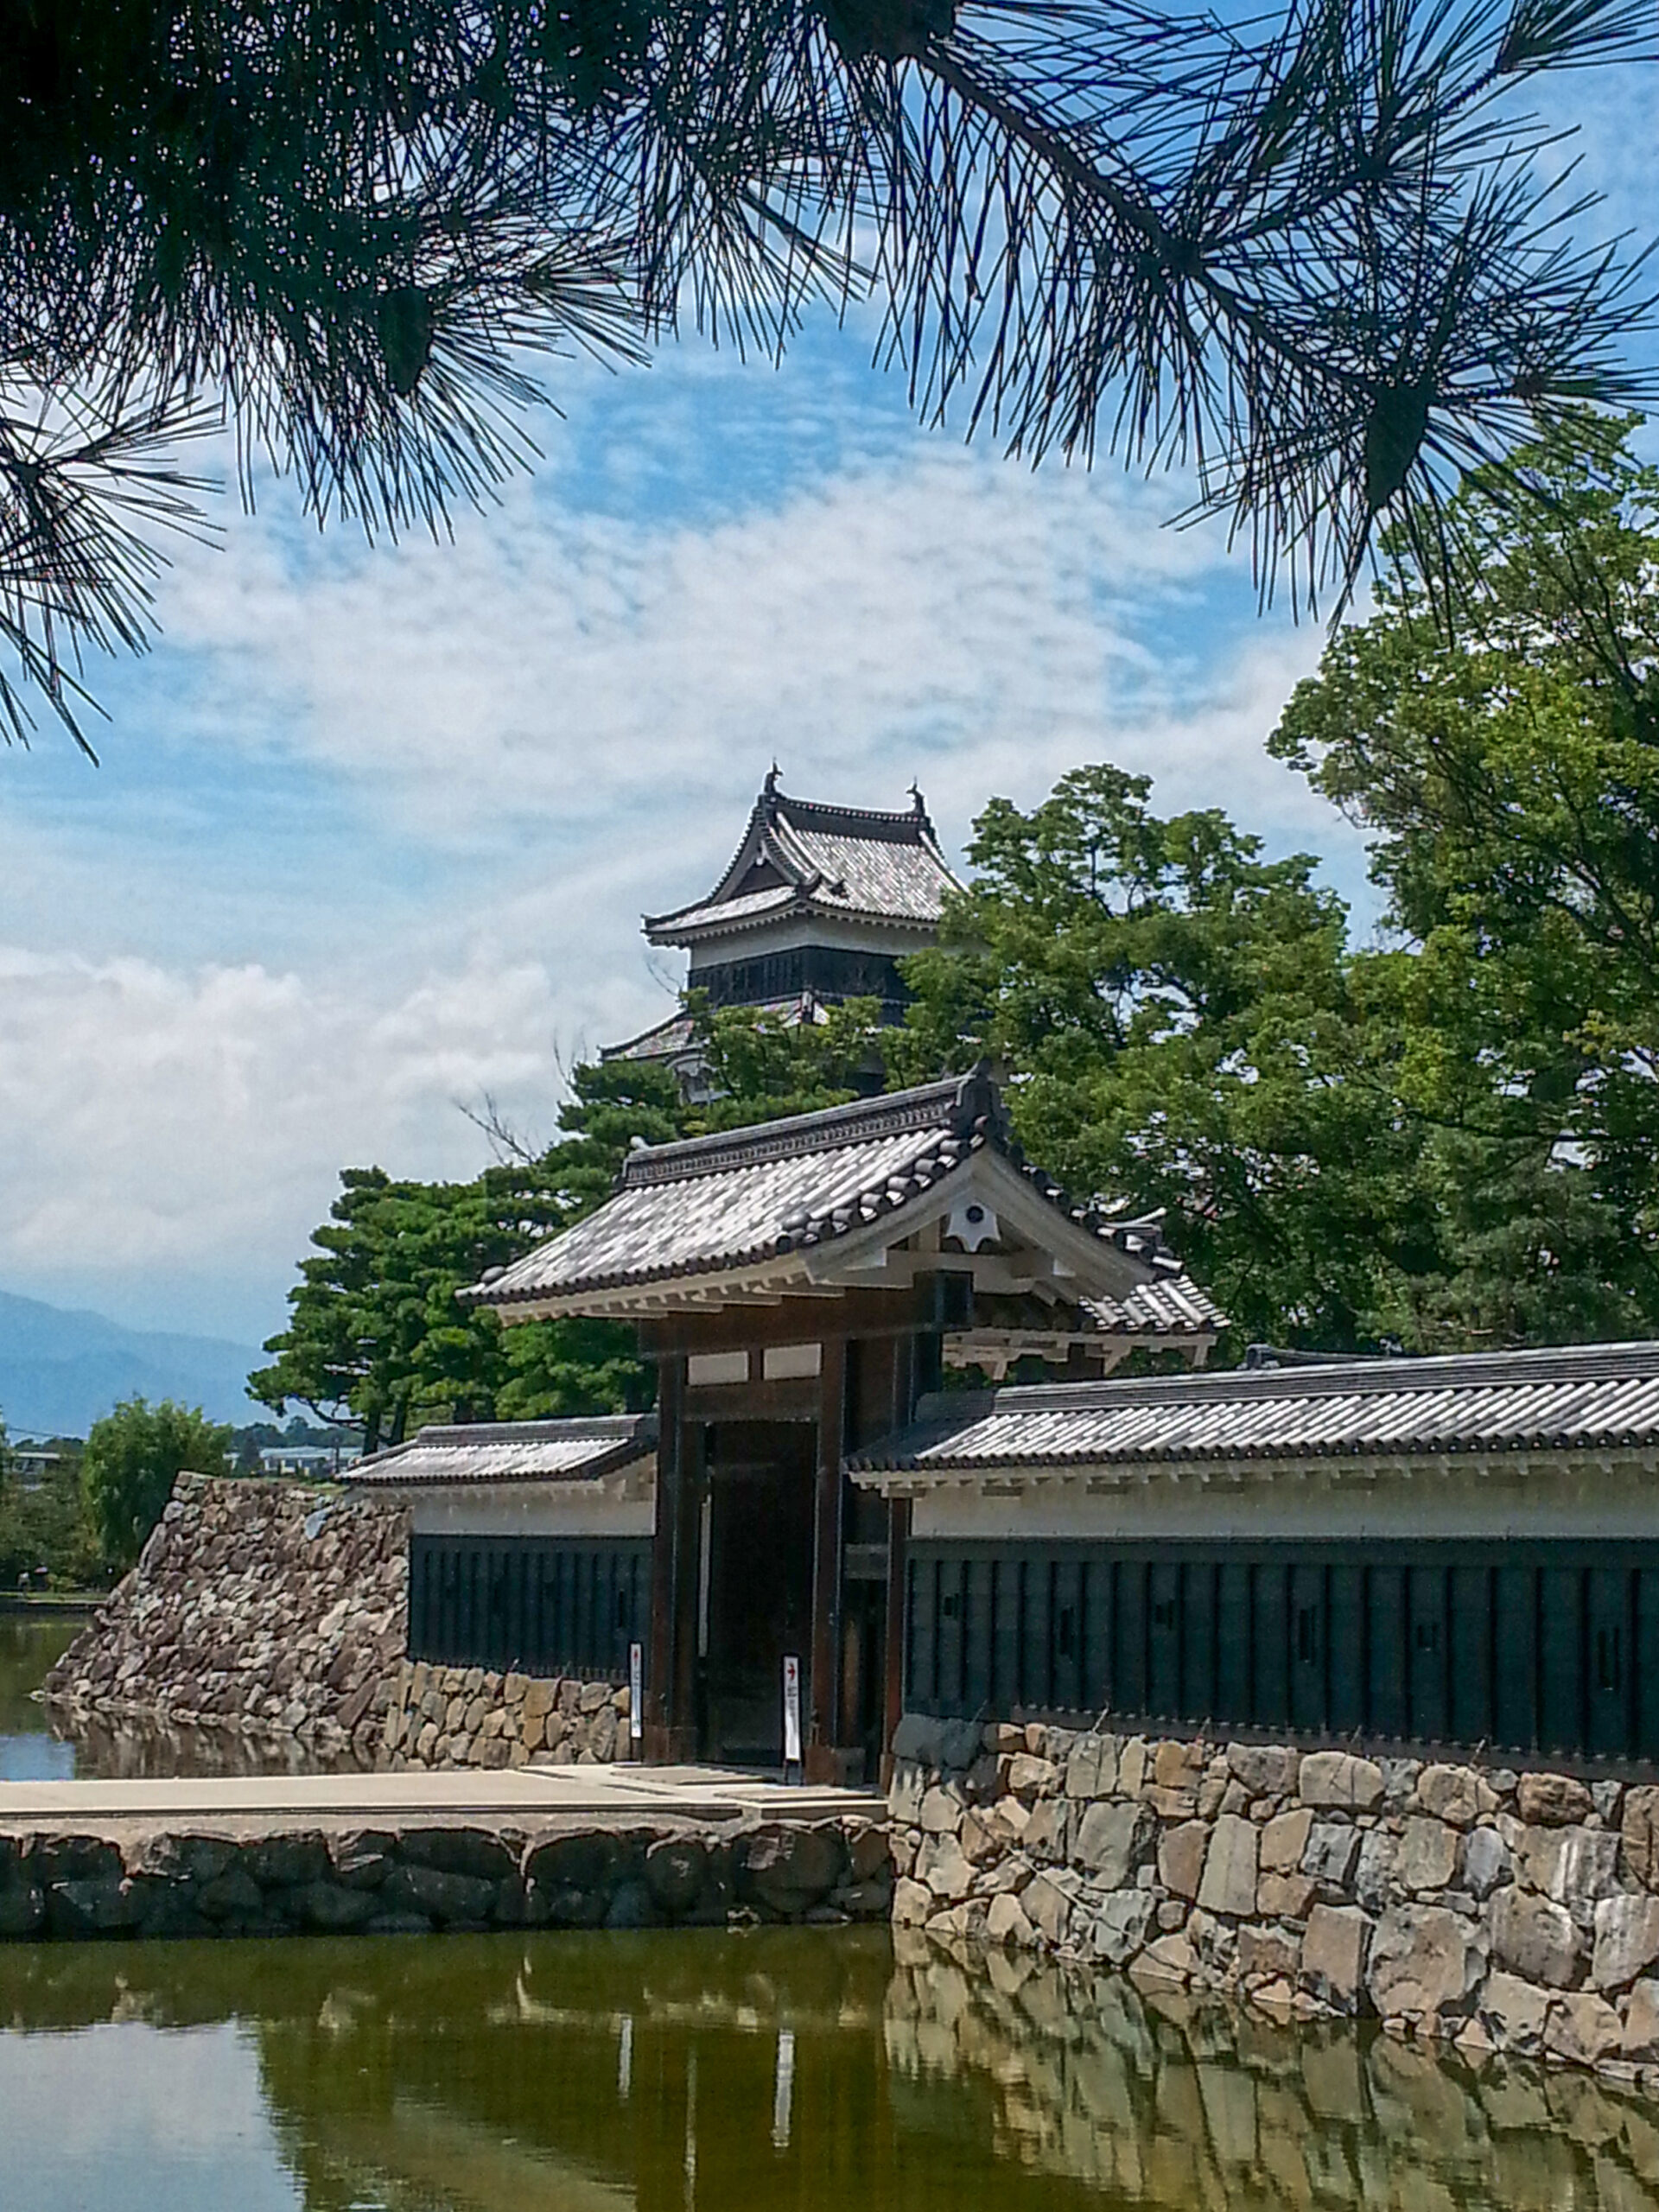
(791, 1191)
(818, 859)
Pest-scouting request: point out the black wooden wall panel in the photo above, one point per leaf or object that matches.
(1525, 1647)
(1560, 1658)
(1308, 1647)
(545, 1606)
(1344, 1664)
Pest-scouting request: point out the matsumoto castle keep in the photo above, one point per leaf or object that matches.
(1461, 1550)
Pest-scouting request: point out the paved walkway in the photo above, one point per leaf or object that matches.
(603, 1794)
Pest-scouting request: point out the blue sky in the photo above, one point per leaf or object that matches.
(373, 829)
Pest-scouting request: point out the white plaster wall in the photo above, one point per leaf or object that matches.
(533, 1510)
(1564, 1500)
(754, 943)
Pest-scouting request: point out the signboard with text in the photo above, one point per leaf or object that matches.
(791, 1711)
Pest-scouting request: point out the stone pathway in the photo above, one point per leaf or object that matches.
(604, 1795)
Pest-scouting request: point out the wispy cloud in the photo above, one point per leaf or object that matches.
(377, 828)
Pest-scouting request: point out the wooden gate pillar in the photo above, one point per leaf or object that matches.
(670, 1732)
(819, 1763)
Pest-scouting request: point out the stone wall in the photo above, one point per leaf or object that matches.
(1509, 1911)
(421, 1879)
(468, 1716)
(267, 1609)
(271, 1610)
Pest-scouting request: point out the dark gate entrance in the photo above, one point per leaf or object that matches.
(756, 1604)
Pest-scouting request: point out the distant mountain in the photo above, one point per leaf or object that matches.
(60, 1370)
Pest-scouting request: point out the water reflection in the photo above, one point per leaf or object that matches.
(813, 2068)
(39, 1745)
(132, 1749)
(30, 1642)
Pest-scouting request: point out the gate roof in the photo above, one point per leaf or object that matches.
(829, 1199)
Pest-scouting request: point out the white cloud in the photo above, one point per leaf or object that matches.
(947, 614)
(168, 1123)
(561, 719)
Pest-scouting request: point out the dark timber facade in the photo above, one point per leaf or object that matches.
(1433, 1551)
(1541, 1647)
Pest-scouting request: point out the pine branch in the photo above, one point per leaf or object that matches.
(1310, 258)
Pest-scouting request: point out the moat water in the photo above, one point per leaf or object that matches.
(29, 1644)
(821, 2070)
(35, 1747)
(807, 2069)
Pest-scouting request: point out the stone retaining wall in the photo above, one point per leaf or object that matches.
(266, 1609)
(1509, 1911)
(467, 1716)
(417, 1880)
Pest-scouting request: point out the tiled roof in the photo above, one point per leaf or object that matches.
(664, 1040)
(1594, 1395)
(822, 859)
(719, 1203)
(678, 1032)
(1173, 1305)
(514, 1452)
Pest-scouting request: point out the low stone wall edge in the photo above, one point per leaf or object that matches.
(435, 1875)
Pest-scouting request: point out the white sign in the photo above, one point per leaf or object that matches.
(791, 1710)
(636, 1692)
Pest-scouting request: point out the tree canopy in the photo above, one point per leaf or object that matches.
(1308, 253)
(1510, 780)
(132, 1458)
(1180, 1024)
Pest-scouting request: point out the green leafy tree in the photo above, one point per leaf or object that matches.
(1308, 248)
(45, 1524)
(377, 1335)
(1176, 1016)
(132, 1457)
(1509, 779)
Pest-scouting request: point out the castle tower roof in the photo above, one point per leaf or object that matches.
(801, 858)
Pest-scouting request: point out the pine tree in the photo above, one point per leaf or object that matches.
(1310, 255)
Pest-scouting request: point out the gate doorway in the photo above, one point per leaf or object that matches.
(755, 1594)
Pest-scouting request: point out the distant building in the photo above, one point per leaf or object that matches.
(33, 1466)
(819, 905)
(309, 1461)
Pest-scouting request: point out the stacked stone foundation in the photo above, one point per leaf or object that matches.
(262, 1610)
(469, 1717)
(423, 1880)
(1504, 1911)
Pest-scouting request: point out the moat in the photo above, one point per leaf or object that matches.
(810, 2067)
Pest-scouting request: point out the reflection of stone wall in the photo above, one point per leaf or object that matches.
(1160, 2098)
(1510, 1911)
(271, 1609)
(469, 1716)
